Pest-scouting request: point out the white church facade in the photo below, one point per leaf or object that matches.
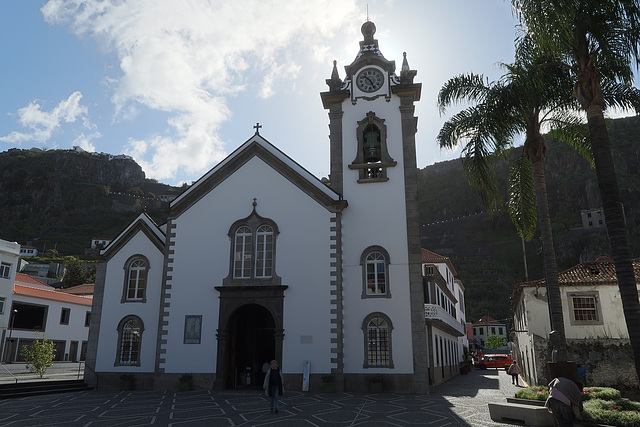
(323, 276)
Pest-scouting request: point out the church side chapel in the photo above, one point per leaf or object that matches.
(260, 260)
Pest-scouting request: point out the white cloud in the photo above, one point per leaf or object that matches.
(186, 58)
(42, 124)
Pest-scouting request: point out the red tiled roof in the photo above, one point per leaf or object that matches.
(484, 320)
(589, 273)
(432, 257)
(86, 289)
(51, 294)
(29, 280)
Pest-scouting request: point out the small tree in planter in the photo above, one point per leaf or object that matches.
(185, 382)
(328, 384)
(376, 383)
(127, 382)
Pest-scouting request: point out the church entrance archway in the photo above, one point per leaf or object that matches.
(251, 343)
(250, 332)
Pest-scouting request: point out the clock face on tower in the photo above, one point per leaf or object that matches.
(370, 80)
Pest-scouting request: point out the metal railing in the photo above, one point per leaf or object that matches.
(9, 372)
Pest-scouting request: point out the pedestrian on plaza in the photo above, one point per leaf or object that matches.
(514, 370)
(273, 385)
(565, 401)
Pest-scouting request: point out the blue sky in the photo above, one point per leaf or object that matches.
(179, 84)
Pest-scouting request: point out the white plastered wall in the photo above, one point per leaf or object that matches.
(113, 311)
(302, 261)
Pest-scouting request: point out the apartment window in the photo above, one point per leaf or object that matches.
(375, 267)
(493, 330)
(129, 340)
(135, 287)
(5, 270)
(585, 308)
(377, 334)
(87, 319)
(2, 303)
(65, 313)
(481, 331)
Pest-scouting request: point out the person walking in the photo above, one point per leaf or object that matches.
(565, 401)
(514, 370)
(273, 385)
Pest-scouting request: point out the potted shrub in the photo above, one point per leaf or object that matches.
(328, 384)
(127, 382)
(185, 382)
(376, 383)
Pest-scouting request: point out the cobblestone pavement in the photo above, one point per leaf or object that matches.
(462, 401)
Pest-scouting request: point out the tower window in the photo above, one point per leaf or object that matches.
(375, 272)
(377, 330)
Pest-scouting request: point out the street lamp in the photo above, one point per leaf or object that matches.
(12, 319)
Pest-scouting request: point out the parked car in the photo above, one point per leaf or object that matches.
(498, 361)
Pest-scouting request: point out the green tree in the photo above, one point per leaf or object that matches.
(39, 355)
(599, 42)
(494, 341)
(529, 96)
(74, 273)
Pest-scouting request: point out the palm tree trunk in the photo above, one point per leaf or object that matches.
(549, 254)
(614, 217)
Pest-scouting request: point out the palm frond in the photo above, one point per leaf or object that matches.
(522, 198)
(465, 87)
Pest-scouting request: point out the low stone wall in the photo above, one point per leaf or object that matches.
(609, 362)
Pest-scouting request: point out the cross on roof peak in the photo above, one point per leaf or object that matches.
(257, 128)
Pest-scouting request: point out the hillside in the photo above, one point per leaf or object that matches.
(63, 199)
(486, 251)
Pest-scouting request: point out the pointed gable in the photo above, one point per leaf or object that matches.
(259, 147)
(145, 224)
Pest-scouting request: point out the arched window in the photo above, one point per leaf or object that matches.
(243, 250)
(129, 341)
(264, 251)
(375, 268)
(253, 252)
(136, 273)
(372, 157)
(377, 340)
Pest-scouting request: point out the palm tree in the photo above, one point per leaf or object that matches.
(598, 41)
(529, 97)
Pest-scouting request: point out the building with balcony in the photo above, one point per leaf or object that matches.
(9, 257)
(445, 318)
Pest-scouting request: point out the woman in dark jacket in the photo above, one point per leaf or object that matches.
(273, 385)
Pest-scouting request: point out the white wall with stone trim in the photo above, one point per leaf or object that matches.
(113, 310)
(302, 261)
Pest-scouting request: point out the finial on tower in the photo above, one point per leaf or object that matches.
(368, 30)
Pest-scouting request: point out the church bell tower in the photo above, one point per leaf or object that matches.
(372, 131)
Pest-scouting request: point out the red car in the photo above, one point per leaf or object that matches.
(497, 361)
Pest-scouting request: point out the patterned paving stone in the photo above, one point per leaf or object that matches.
(462, 401)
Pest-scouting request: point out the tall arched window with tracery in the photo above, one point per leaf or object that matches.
(136, 274)
(129, 341)
(253, 252)
(377, 334)
(375, 272)
(264, 251)
(243, 252)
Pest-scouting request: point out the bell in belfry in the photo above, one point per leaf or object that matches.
(371, 146)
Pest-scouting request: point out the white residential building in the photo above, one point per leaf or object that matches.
(39, 308)
(9, 257)
(445, 317)
(595, 328)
